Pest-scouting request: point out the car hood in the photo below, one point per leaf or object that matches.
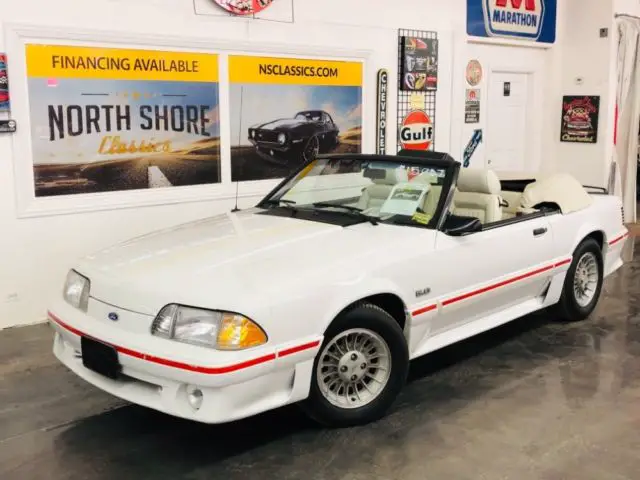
(222, 258)
(283, 123)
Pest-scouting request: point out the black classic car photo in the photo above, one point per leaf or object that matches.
(297, 139)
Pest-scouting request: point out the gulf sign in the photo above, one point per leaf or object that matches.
(416, 131)
(533, 20)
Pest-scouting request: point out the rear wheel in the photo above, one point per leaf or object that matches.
(360, 370)
(583, 283)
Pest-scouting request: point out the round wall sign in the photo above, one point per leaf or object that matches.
(474, 73)
(243, 7)
(416, 132)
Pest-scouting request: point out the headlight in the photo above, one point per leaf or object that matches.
(76, 290)
(282, 138)
(252, 133)
(207, 328)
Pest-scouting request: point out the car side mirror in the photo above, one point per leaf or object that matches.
(458, 225)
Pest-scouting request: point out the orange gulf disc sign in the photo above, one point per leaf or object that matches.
(416, 132)
(243, 7)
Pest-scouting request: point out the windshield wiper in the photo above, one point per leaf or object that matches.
(288, 204)
(279, 201)
(355, 210)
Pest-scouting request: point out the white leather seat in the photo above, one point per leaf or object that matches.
(478, 195)
(375, 195)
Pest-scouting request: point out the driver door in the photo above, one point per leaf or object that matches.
(482, 273)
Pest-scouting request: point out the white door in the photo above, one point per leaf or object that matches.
(506, 136)
(489, 271)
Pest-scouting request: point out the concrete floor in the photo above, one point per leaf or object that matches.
(532, 400)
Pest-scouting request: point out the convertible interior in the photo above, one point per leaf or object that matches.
(480, 193)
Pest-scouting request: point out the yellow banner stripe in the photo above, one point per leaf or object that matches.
(59, 61)
(293, 71)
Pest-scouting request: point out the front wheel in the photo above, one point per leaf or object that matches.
(583, 283)
(360, 370)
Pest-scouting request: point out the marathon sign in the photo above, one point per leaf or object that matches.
(533, 20)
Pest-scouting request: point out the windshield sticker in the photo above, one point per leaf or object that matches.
(414, 171)
(405, 199)
(423, 218)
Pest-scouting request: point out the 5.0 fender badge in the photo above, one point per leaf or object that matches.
(113, 316)
(423, 292)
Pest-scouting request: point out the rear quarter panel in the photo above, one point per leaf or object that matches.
(603, 216)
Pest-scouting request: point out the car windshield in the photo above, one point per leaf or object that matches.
(309, 116)
(378, 191)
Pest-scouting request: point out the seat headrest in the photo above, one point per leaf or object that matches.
(392, 176)
(475, 180)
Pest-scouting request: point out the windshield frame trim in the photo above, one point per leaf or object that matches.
(426, 158)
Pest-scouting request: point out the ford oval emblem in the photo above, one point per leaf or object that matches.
(113, 316)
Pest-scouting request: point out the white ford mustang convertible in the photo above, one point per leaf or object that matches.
(324, 291)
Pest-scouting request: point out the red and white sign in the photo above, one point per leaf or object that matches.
(244, 7)
(416, 132)
(514, 17)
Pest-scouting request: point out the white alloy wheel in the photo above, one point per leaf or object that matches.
(353, 368)
(585, 280)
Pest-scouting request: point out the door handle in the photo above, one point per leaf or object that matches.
(539, 231)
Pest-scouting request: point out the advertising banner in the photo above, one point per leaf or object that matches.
(107, 119)
(285, 111)
(580, 115)
(532, 20)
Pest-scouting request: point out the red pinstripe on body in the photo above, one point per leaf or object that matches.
(618, 239)
(491, 287)
(191, 368)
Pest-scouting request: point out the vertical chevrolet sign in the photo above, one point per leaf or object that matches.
(381, 117)
(532, 20)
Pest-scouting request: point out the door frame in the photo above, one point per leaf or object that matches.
(532, 126)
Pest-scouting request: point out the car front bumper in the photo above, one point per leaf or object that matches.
(156, 373)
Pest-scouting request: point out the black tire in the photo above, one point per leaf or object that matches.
(311, 149)
(568, 309)
(369, 317)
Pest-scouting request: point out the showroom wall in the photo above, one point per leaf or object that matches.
(39, 245)
(38, 250)
(586, 66)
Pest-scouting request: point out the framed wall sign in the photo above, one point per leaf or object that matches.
(243, 7)
(530, 20)
(115, 119)
(288, 110)
(4, 84)
(111, 121)
(580, 116)
(419, 63)
(472, 106)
